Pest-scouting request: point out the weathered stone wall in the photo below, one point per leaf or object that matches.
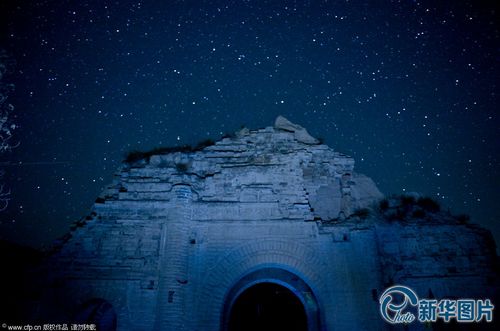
(443, 258)
(169, 238)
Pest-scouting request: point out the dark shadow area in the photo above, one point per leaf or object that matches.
(19, 291)
(268, 307)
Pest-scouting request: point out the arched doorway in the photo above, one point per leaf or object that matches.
(267, 307)
(270, 298)
(98, 312)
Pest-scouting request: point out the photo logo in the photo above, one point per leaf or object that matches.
(392, 312)
(401, 305)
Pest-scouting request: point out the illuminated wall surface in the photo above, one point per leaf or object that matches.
(265, 230)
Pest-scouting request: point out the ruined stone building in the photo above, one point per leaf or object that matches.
(194, 240)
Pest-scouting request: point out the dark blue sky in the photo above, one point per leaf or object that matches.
(408, 88)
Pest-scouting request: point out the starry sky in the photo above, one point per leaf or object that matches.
(408, 88)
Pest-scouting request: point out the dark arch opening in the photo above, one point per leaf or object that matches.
(260, 282)
(98, 312)
(267, 307)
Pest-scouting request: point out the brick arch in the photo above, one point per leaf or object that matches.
(280, 277)
(246, 258)
(99, 312)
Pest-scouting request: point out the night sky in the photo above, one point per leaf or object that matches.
(408, 88)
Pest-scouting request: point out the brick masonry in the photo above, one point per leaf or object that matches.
(172, 234)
